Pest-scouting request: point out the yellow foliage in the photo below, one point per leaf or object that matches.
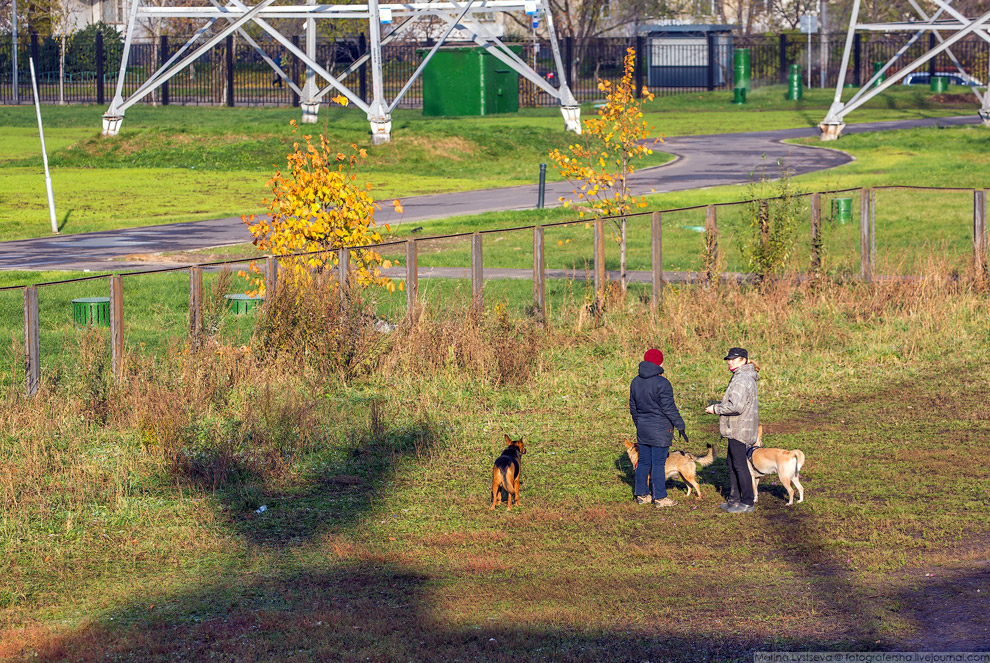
(600, 167)
(316, 207)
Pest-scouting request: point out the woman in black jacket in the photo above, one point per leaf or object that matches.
(651, 404)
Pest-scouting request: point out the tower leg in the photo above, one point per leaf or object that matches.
(381, 128)
(111, 124)
(572, 118)
(308, 103)
(831, 130)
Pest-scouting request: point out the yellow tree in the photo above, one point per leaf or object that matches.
(317, 206)
(601, 165)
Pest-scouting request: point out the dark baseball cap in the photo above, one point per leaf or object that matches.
(736, 352)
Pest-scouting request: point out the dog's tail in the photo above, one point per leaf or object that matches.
(798, 461)
(708, 458)
(504, 472)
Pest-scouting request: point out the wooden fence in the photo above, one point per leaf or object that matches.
(32, 351)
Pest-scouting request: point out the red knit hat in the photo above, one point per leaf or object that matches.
(653, 355)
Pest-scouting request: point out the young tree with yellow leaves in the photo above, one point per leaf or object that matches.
(600, 167)
(317, 206)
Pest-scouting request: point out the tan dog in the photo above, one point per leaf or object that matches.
(785, 464)
(505, 473)
(679, 463)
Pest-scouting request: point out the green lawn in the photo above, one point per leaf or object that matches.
(186, 163)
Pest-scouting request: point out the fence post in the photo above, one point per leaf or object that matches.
(412, 277)
(711, 244)
(271, 278)
(539, 273)
(116, 327)
(711, 61)
(816, 232)
(343, 270)
(100, 73)
(980, 234)
(857, 58)
(477, 273)
(163, 60)
(363, 70)
(295, 70)
(656, 259)
(569, 62)
(32, 346)
(866, 248)
(639, 66)
(36, 52)
(783, 58)
(931, 63)
(230, 69)
(195, 306)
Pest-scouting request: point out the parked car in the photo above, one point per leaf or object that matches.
(954, 78)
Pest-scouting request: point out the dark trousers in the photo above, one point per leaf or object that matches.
(651, 468)
(740, 480)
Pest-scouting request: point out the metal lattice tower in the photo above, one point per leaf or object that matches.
(947, 24)
(236, 14)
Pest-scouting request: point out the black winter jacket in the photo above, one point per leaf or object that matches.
(651, 404)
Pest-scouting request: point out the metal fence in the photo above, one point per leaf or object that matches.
(234, 74)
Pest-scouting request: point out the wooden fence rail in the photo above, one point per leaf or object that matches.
(32, 363)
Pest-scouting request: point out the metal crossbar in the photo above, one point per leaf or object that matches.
(453, 14)
(958, 24)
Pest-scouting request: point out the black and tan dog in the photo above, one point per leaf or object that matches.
(785, 464)
(679, 463)
(505, 473)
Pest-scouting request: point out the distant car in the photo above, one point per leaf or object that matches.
(953, 78)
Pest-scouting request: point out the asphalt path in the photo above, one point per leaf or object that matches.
(701, 161)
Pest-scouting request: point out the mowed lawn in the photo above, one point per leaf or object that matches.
(184, 163)
(377, 542)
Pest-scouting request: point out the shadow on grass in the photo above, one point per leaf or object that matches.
(271, 511)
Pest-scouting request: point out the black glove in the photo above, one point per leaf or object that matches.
(683, 436)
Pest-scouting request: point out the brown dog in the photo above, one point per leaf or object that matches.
(785, 464)
(505, 473)
(679, 463)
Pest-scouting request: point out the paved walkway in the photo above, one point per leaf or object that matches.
(702, 161)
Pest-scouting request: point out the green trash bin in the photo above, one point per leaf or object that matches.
(939, 84)
(468, 81)
(91, 311)
(842, 210)
(795, 87)
(877, 66)
(741, 70)
(240, 303)
(739, 95)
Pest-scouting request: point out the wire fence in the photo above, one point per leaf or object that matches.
(867, 234)
(235, 74)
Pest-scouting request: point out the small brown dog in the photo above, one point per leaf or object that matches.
(679, 463)
(505, 473)
(785, 464)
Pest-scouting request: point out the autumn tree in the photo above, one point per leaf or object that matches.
(600, 165)
(317, 206)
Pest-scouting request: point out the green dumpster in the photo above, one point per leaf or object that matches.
(741, 69)
(468, 81)
(739, 95)
(877, 66)
(241, 303)
(795, 87)
(939, 83)
(90, 311)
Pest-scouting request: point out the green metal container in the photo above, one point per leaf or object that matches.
(877, 66)
(468, 81)
(795, 87)
(90, 311)
(939, 83)
(741, 70)
(241, 303)
(842, 210)
(739, 95)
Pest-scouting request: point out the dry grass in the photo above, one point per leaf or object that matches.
(131, 529)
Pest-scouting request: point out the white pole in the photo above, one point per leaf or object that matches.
(13, 36)
(809, 58)
(44, 154)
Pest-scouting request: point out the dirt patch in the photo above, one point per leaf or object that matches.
(454, 148)
(952, 99)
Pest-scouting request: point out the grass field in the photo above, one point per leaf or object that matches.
(185, 163)
(131, 525)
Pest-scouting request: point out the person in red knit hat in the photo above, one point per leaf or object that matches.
(651, 404)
